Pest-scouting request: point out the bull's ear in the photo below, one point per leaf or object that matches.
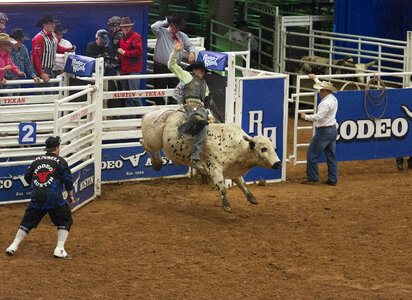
(250, 140)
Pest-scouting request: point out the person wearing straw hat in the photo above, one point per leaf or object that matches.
(130, 51)
(6, 63)
(48, 175)
(20, 56)
(325, 138)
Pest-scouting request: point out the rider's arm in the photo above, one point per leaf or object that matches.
(183, 75)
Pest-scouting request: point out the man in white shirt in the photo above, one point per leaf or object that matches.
(325, 138)
(59, 64)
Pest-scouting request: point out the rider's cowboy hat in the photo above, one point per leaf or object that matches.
(199, 65)
(5, 39)
(325, 85)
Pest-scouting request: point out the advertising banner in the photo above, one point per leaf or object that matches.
(263, 114)
(13, 187)
(213, 60)
(133, 163)
(80, 65)
(362, 137)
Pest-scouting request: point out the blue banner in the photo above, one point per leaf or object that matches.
(80, 65)
(362, 138)
(83, 185)
(134, 162)
(213, 60)
(13, 187)
(262, 114)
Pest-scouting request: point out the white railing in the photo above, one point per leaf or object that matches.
(75, 122)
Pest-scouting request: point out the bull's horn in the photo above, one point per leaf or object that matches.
(348, 64)
(371, 63)
(247, 138)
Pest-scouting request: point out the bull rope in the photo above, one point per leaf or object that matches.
(375, 100)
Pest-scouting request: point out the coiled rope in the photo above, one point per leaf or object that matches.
(377, 100)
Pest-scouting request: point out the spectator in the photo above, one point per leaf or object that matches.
(20, 57)
(399, 163)
(44, 49)
(59, 30)
(326, 133)
(165, 41)
(100, 47)
(116, 33)
(3, 20)
(130, 59)
(6, 63)
(243, 36)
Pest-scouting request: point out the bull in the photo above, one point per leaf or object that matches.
(227, 152)
(317, 65)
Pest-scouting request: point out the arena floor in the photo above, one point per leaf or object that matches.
(170, 239)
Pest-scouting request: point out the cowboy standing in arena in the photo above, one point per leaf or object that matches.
(46, 176)
(44, 48)
(326, 133)
(194, 94)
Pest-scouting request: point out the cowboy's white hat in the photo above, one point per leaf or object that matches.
(325, 85)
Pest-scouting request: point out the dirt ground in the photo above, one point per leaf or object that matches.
(170, 239)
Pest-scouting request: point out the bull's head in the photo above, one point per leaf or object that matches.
(265, 152)
(360, 68)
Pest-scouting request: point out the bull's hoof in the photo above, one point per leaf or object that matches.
(227, 208)
(252, 199)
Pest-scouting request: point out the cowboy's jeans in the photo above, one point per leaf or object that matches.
(197, 142)
(324, 140)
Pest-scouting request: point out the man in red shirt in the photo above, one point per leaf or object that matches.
(130, 59)
(45, 46)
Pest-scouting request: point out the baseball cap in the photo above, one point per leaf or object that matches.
(52, 143)
(103, 35)
(115, 20)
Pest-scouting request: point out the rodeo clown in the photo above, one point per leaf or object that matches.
(46, 176)
(195, 92)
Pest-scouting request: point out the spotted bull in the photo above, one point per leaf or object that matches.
(227, 152)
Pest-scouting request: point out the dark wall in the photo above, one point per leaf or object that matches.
(378, 18)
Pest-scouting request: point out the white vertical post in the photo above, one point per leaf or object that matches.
(408, 59)
(97, 99)
(295, 121)
(230, 89)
